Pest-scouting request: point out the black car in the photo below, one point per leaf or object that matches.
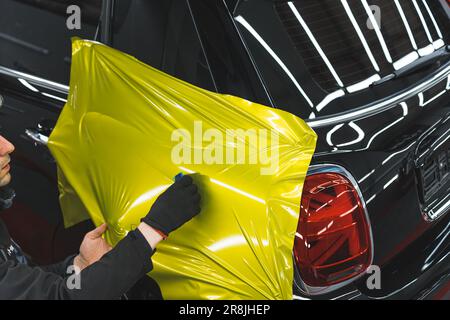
(371, 77)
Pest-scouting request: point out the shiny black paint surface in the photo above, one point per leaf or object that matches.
(385, 159)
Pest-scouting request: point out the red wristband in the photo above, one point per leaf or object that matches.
(162, 234)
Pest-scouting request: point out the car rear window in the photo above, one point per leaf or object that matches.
(312, 52)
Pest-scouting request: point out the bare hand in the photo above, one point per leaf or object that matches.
(92, 248)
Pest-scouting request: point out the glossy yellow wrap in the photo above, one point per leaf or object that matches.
(114, 144)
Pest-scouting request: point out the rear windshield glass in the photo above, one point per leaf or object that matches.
(312, 52)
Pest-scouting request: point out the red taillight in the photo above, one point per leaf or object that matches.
(333, 241)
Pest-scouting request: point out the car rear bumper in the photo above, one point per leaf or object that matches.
(422, 271)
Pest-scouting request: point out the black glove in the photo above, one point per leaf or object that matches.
(175, 206)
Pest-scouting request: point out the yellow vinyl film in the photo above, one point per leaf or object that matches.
(128, 129)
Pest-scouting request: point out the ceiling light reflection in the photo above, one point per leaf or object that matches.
(234, 241)
(255, 34)
(360, 35)
(377, 30)
(28, 85)
(315, 43)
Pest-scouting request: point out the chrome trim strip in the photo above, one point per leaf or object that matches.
(348, 296)
(37, 137)
(375, 108)
(55, 86)
(435, 211)
(359, 113)
(309, 290)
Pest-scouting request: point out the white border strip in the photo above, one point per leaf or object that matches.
(35, 80)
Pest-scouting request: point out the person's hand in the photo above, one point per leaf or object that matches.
(175, 206)
(92, 248)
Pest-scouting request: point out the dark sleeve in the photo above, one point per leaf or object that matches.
(108, 278)
(59, 268)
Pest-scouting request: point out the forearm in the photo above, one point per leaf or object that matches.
(117, 271)
(60, 268)
(152, 236)
(108, 278)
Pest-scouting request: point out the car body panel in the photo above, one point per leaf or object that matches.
(249, 162)
(406, 241)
